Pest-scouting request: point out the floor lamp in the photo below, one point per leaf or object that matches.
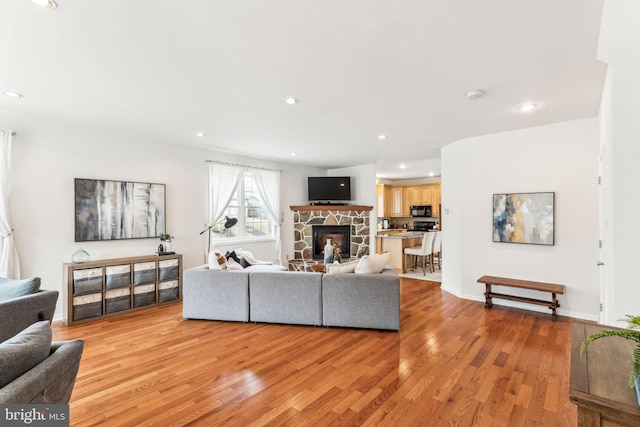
(228, 223)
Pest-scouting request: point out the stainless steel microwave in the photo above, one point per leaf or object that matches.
(421, 211)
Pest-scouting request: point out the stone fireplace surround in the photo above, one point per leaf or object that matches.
(305, 217)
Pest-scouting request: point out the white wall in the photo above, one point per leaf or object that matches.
(619, 47)
(363, 192)
(46, 159)
(561, 158)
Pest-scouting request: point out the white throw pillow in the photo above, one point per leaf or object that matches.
(216, 260)
(372, 263)
(345, 267)
(232, 264)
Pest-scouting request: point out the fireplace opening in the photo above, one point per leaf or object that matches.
(340, 236)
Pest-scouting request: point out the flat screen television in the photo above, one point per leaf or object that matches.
(329, 189)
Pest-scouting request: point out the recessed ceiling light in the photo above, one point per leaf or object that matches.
(46, 4)
(382, 136)
(13, 94)
(431, 173)
(291, 101)
(294, 154)
(402, 166)
(475, 94)
(527, 107)
(201, 134)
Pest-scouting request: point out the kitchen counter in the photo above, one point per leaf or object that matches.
(395, 245)
(402, 235)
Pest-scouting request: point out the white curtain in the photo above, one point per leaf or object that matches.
(223, 182)
(268, 185)
(9, 261)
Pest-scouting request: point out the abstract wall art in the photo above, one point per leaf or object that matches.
(113, 210)
(524, 218)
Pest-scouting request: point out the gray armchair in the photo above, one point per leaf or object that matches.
(32, 368)
(49, 382)
(18, 313)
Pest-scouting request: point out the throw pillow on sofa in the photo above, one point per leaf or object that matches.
(345, 267)
(12, 288)
(375, 263)
(233, 265)
(22, 352)
(232, 255)
(216, 260)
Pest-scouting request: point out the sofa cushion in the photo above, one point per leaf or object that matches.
(24, 351)
(372, 263)
(11, 288)
(345, 267)
(216, 260)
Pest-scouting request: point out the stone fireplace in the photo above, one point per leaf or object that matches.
(355, 219)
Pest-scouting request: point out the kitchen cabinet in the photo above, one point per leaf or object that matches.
(384, 200)
(396, 200)
(436, 198)
(411, 196)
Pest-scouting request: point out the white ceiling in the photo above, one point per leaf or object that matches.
(164, 70)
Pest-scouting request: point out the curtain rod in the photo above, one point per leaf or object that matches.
(238, 164)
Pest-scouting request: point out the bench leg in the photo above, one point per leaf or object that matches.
(487, 295)
(554, 305)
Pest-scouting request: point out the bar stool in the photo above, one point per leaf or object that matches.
(424, 251)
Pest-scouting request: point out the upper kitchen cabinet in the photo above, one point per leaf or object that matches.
(396, 200)
(384, 200)
(397, 208)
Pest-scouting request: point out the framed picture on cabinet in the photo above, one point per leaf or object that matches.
(114, 210)
(524, 218)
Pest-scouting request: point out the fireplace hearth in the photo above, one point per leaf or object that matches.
(340, 236)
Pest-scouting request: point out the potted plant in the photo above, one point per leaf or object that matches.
(165, 242)
(632, 332)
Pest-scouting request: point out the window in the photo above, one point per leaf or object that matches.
(247, 205)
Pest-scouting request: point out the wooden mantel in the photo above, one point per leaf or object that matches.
(331, 208)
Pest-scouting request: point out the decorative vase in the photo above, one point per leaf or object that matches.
(336, 257)
(167, 245)
(80, 256)
(328, 252)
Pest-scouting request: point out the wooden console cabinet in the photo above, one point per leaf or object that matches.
(109, 287)
(599, 379)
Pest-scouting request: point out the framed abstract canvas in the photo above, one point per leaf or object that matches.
(113, 210)
(524, 218)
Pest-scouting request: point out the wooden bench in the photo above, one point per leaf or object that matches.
(522, 284)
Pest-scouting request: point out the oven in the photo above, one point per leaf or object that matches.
(425, 225)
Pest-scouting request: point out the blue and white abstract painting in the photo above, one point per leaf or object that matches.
(524, 218)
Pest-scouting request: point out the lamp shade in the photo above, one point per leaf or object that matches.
(230, 222)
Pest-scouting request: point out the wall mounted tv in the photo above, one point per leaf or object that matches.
(329, 188)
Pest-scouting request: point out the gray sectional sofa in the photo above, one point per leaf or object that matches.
(340, 299)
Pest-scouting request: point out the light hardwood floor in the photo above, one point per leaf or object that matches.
(453, 363)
